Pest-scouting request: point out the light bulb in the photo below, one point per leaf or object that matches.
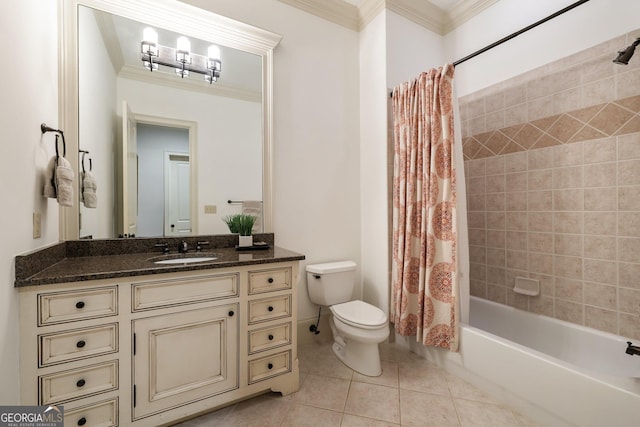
(213, 52)
(184, 45)
(150, 36)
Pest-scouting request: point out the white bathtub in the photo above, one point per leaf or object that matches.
(571, 374)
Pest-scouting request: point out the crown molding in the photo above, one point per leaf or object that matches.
(423, 13)
(337, 11)
(369, 9)
(200, 86)
(464, 11)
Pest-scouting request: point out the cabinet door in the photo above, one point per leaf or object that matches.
(183, 357)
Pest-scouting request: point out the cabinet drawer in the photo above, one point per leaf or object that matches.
(76, 383)
(163, 293)
(269, 280)
(58, 307)
(271, 337)
(77, 344)
(270, 366)
(101, 414)
(269, 308)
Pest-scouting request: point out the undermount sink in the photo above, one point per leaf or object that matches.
(183, 258)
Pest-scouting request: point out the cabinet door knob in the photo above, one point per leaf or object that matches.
(80, 383)
(231, 313)
(270, 337)
(80, 304)
(80, 344)
(270, 308)
(270, 366)
(270, 280)
(82, 421)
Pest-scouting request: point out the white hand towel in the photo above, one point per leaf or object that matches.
(64, 182)
(254, 207)
(50, 179)
(89, 187)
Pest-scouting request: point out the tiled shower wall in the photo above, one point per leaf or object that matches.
(552, 162)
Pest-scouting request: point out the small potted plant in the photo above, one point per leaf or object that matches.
(243, 225)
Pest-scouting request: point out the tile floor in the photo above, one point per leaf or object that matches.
(410, 392)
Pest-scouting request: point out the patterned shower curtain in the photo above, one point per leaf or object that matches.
(424, 266)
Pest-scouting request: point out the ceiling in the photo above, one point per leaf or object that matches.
(439, 16)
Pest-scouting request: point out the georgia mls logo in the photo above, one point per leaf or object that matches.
(31, 416)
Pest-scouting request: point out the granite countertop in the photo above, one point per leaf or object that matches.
(73, 263)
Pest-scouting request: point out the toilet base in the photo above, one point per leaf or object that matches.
(362, 357)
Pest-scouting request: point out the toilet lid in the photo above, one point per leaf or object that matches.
(359, 312)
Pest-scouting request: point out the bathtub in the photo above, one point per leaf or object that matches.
(568, 374)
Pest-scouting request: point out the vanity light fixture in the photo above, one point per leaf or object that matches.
(181, 58)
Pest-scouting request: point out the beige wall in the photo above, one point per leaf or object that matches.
(552, 162)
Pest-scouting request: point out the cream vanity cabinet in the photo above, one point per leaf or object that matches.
(155, 349)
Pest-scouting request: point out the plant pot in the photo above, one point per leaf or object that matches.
(245, 241)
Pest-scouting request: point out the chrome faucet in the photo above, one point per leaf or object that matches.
(632, 349)
(183, 247)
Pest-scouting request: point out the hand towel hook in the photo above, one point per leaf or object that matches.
(44, 129)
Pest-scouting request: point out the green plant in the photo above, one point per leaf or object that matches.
(240, 223)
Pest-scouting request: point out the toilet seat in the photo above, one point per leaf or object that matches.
(359, 314)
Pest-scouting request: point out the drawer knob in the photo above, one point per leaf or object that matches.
(270, 337)
(79, 305)
(270, 308)
(80, 344)
(80, 383)
(270, 366)
(270, 280)
(231, 313)
(82, 421)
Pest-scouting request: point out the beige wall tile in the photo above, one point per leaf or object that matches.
(540, 200)
(600, 199)
(540, 107)
(477, 125)
(515, 95)
(478, 289)
(476, 203)
(629, 224)
(569, 311)
(494, 102)
(516, 162)
(598, 92)
(475, 168)
(628, 84)
(516, 181)
(628, 249)
(629, 198)
(477, 237)
(629, 172)
(496, 221)
(540, 179)
(478, 254)
(496, 257)
(567, 267)
(568, 289)
(517, 240)
(540, 221)
(477, 185)
(600, 150)
(496, 275)
(629, 326)
(629, 301)
(495, 120)
(515, 114)
(600, 175)
(567, 100)
(629, 275)
(497, 293)
(568, 154)
(495, 184)
(496, 201)
(540, 263)
(599, 318)
(597, 69)
(541, 305)
(517, 221)
(517, 260)
(568, 177)
(569, 244)
(517, 300)
(600, 247)
(517, 201)
(629, 146)
(600, 271)
(542, 158)
(541, 242)
(567, 222)
(475, 108)
(477, 220)
(496, 239)
(495, 165)
(568, 200)
(602, 296)
(478, 271)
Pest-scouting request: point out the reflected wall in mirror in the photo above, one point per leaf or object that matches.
(162, 147)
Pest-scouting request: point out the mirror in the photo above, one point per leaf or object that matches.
(167, 153)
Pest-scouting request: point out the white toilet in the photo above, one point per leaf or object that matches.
(357, 327)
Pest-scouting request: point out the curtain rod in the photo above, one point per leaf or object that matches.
(516, 34)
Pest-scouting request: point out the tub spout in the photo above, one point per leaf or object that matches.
(632, 349)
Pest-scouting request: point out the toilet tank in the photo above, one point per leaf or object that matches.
(331, 283)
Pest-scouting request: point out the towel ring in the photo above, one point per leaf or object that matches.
(90, 161)
(44, 129)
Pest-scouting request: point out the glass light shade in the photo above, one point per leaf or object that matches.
(150, 36)
(183, 44)
(213, 52)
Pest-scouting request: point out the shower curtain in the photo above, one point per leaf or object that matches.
(424, 262)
